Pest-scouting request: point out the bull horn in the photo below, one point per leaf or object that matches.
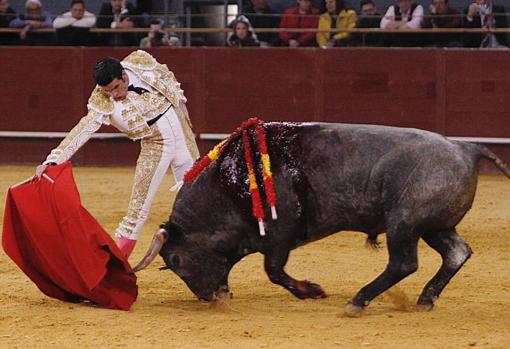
(157, 242)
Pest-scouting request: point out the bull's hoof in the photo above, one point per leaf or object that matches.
(306, 289)
(424, 307)
(352, 310)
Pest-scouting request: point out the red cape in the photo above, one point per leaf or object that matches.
(61, 247)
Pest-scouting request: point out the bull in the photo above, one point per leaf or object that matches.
(410, 184)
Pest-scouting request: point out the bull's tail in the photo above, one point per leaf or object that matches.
(486, 153)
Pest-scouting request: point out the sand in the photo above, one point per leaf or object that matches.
(473, 311)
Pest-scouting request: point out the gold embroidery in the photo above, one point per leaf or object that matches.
(100, 101)
(137, 134)
(150, 104)
(76, 138)
(158, 76)
(150, 156)
(189, 137)
(140, 60)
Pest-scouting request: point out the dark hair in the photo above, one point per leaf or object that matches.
(77, 2)
(107, 70)
(340, 6)
(157, 21)
(365, 2)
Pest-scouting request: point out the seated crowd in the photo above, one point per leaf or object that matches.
(324, 28)
(72, 27)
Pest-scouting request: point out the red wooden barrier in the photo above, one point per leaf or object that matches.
(455, 92)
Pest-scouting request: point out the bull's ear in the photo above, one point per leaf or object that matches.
(175, 232)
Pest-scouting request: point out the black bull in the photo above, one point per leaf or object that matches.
(408, 183)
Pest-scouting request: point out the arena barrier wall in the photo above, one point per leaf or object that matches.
(456, 92)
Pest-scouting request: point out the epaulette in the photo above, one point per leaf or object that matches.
(100, 101)
(140, 60)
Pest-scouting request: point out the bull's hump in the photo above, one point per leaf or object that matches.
(381, 131)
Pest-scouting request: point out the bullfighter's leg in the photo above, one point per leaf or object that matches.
(274, 263)
(455, 252)
(166, 147)
(403, 261)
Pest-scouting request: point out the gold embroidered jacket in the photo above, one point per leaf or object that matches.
(130, 115)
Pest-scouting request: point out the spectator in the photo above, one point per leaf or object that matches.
(73, 26)
(242, 34)
(369, 18)
(337, 16)
(302, 16)
(144, 6)
(261, 15)
(144, 10)
(33, 18)
(7, 14)
(119, 14)
(443, 16)
(405, 15)
(483, 14)
(78, 16)
(158, 37)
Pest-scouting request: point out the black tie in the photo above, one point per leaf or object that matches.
(138, 90)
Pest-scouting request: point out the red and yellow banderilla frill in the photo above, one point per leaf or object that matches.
(268, 183)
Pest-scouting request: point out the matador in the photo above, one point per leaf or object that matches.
(141, 98)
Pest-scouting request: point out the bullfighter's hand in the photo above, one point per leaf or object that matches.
(39, 170)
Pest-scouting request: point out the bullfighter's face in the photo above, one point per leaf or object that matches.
(203, 268)
(118, 88)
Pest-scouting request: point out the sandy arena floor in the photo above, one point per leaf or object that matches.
(474, 310)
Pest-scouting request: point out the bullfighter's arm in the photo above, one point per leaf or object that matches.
(167, 84)
(78, 136)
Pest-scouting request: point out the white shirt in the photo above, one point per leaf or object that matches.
(413, 23)
(66, 19)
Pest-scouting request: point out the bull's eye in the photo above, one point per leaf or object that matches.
(175, 261)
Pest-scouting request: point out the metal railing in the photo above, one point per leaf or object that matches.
(277, 30)
(175, 27)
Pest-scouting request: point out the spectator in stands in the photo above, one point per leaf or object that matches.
(406, 14)
(33, 18)
(242, 34)
(73, 26)
(119, 14)
(7, 14)
(302, 16)
(158, 36)
(78, 16)
(261, 15)
(144, 6)
(337, 16)
(369, 18)
(443, 16)
(483, 14)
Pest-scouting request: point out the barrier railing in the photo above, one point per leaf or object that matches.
(96, 36)
(277, 30)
